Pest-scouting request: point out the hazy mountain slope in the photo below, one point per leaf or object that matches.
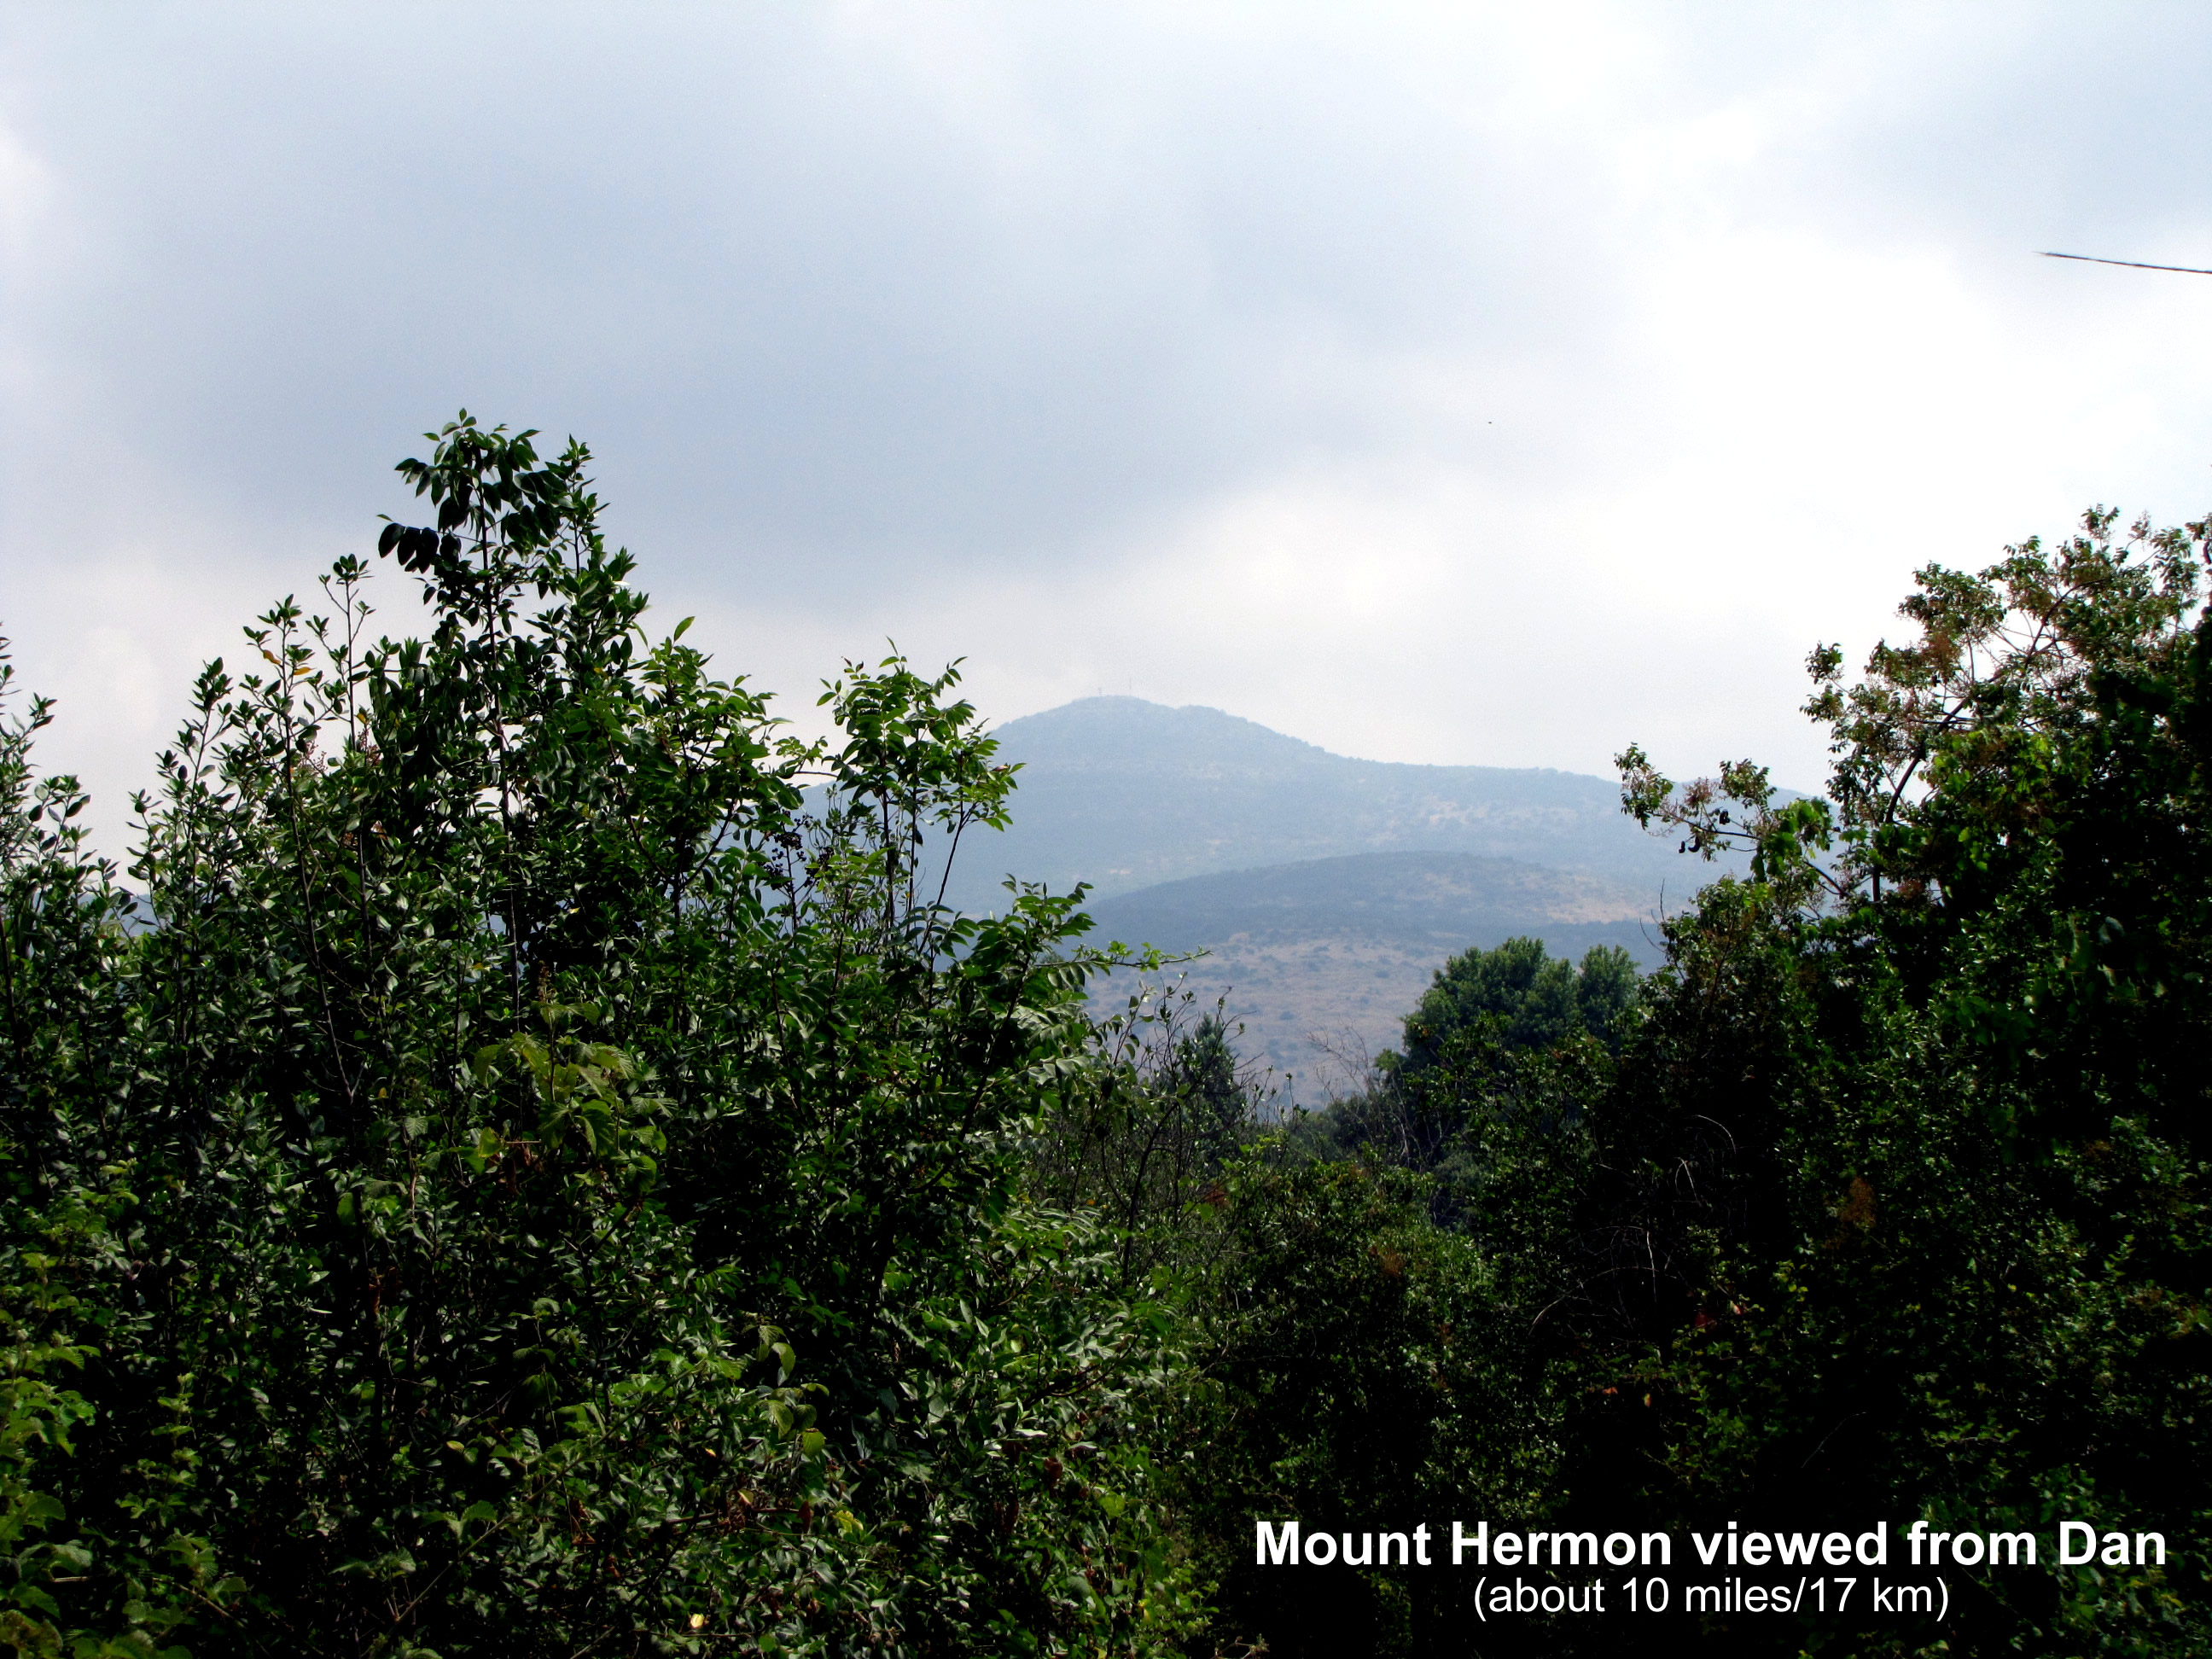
(1125, 794)
(1416, 898)
(1332, 953)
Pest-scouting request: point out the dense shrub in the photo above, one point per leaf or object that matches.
(521, 1175)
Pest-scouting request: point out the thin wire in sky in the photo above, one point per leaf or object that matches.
(2132, 265)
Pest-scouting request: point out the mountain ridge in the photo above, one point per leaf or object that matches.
(1123, 794)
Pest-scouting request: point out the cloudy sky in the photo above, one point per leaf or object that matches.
(1468, 384)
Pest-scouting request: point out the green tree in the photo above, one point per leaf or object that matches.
(1148, 1140)
(1893, 1202)
(1518, 997)
(1904, 1194)
(1357, 1377)
(520, 1073)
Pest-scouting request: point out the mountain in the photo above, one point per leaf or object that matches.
(1321, 960)
(1125, 794)
(1325, 891)
(1415, 898)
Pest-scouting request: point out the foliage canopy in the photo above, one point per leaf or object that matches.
(422, 1191)
(523, 1162)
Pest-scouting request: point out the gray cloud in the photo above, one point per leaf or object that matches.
(1437, 384)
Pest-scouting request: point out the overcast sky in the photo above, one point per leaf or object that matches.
(1489, 385)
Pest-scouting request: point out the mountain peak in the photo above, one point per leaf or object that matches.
(1109, 732)
(1122, 793)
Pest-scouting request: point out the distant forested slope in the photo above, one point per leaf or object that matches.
(1418, 898)
(1325, 955)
